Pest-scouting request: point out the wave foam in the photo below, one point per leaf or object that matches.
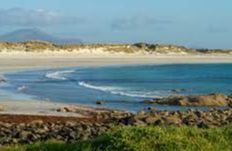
(59, 75)
(22, 88)
(122, 91)
(101, 88)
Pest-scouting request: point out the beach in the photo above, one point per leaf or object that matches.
(17, 61)
(115, 76)
(29, 120)
(14, 62)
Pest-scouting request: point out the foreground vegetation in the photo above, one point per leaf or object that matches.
(145, 139)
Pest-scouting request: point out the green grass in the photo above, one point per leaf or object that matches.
(145, 139)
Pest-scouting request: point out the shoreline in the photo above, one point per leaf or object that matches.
(16, 62)
(24, 62)
(31, 120)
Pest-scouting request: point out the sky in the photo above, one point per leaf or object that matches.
(192, 23)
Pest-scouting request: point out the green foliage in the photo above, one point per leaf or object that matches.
(171, 138)
(145, 139)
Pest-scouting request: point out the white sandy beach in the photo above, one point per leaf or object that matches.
(22, 61)
(15, 62)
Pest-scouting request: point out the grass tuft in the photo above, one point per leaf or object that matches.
(147, 138)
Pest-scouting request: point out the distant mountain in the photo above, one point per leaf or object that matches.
(36, 34)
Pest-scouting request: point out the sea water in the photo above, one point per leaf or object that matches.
(123, 87)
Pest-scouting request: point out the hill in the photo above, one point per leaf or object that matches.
(36, 34)
(138, 48)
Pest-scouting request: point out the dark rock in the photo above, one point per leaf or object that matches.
(159, 122)
(199, 113)
(2, 79)
(203, 124)
(134, 120)
(61, 110)
(67, 109)
(152, 109)
(178, 90)
(141, 45)
(100, 102)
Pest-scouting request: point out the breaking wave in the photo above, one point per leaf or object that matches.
(59, 75)
(101, 88)
(122, 91)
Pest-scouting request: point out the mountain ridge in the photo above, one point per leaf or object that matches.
(35, 34)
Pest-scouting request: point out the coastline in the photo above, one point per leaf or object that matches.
(22, 61)
(14, 63)
(35, 120)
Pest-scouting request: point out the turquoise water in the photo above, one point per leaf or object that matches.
(123, 86)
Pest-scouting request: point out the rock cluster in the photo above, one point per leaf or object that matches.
(202, 119)
(72, 131)
(98, 113)
(196, 100)
(40, 131)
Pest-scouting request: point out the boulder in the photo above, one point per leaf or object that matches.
(2, 79)
(230, 100)
(173, 120)
(67, 109)
(141, 113)
(100, 102)
(61, 110)
(150, 120)
(194, 100)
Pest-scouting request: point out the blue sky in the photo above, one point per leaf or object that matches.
(193, 23)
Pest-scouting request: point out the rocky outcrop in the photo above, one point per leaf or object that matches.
(39, 131)
(201, 119)
(196, 100)
(98, 113)
(70, 130)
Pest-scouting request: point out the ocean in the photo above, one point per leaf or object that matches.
(123, 87)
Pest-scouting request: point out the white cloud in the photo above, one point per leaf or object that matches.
(128, 23)
(36, 17)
